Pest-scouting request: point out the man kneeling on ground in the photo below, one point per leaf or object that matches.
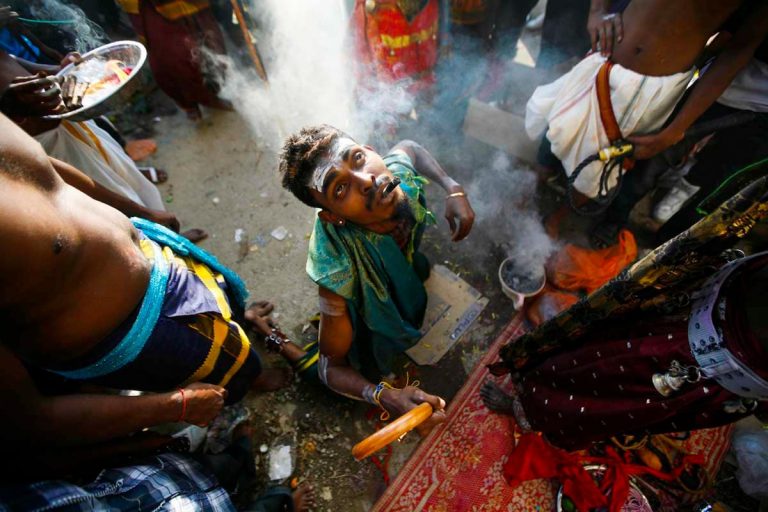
(364, 255)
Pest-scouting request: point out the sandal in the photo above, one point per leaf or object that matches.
(154, 175)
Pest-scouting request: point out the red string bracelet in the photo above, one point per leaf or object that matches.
(183, 406)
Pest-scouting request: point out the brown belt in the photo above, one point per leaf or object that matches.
(607, 116)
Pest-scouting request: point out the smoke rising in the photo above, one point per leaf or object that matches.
(308, 57)
(86, 35)
(505, 203)
(307, 54)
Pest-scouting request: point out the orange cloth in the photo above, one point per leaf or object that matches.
(140, 149)
(574, 268)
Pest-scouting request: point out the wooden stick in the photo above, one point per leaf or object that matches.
(254, 53)
(393, 431)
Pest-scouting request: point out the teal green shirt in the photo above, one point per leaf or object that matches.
(382, 284)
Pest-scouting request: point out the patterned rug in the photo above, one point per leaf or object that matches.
(458, 466)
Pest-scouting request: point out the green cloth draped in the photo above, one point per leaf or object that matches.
(382, 285)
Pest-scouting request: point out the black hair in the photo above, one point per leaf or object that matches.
(300, 156)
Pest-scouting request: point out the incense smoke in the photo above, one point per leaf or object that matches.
(311, 80)
(85, 34)
(506, 207)
(307, 55)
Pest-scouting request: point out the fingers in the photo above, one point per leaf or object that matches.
(594, 37)
(618, 25)
(71, 58)
(465, 227)
(609, 34)
(266, 307)
(24, 84)
(451, 224)
(437, 403)
(603, 39)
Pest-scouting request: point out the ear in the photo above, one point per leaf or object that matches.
(330, 217)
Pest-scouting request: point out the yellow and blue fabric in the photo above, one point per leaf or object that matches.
(184, 331)
(382, 284)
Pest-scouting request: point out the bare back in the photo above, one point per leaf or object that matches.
(70, 267)
(664, 37)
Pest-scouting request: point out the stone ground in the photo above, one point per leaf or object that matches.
(224, 180)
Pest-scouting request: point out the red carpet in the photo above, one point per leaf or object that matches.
(458, 466)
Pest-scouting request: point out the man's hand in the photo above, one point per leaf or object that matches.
(604, 30)
(71, 58)
(648, 146)
(167, 219)
(458, 209)
(399, 401)
(7, 16)
(32, 96)
(203, 403)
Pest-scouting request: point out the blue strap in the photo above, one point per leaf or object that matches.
(183, 247)
(133, 343)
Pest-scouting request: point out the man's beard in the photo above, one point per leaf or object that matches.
(403, 212)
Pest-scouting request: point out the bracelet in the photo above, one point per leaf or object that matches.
(456, 194)
(380, 387)
(183, 406)
(368, 394)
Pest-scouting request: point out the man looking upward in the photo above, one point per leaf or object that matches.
(363, 255)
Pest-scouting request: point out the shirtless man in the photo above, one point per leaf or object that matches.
(72, 272)
(654, 45)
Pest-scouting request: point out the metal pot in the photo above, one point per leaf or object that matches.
(133, 54)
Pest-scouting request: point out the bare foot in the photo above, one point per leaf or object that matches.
(304, 497)
(495, 399)
(272, 379)
(195, 235)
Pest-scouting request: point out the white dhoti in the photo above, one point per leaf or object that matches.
(90, 149)
(568, 110)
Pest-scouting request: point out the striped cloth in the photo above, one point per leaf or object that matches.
(167, 482)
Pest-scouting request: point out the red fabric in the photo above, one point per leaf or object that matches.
(372, 31)
(575, 268)
(458, 467)
(534, 458)
(174, 48)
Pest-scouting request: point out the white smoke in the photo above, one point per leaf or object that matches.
(506, 204)
(86, 34)
(308, 59)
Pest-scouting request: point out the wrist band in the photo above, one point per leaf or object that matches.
(456, 194)
(380, 387)
(183, 406)
(368, 394)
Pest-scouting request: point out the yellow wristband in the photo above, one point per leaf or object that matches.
(456, 194)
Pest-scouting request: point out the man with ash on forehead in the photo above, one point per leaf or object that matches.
(363, 254)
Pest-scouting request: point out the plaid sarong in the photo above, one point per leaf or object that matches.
(164, 482)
